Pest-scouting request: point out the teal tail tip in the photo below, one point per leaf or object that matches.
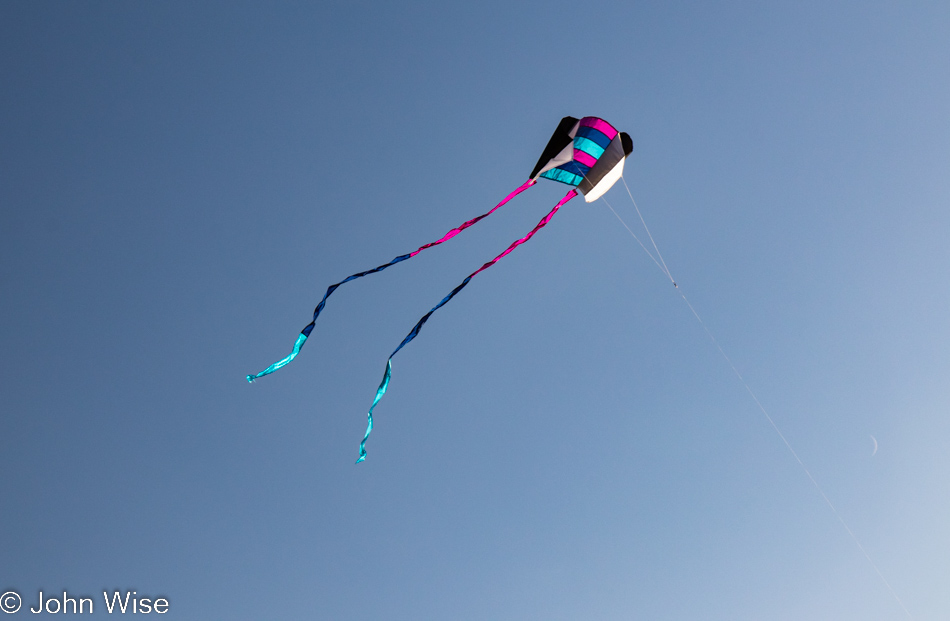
(362, 458)
(250, 379)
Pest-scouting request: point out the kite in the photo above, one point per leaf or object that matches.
(587, 154)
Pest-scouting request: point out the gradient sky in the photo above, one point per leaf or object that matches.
(180, 182)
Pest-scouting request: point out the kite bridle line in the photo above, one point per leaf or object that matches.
(649, 254)
(752, 394)
(662, 267)
(665, 269)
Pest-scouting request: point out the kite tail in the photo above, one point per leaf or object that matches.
(415, 330)
(524, 186)
(369, 415)
(302, 338)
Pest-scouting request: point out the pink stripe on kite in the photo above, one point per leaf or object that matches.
(584, 158)
(599, 124)
(527, 184)
(537, 228)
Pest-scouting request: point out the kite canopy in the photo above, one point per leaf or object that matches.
(587, 154)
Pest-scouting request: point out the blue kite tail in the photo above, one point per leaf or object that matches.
(301, 339)
(379, 395)
(316, 312)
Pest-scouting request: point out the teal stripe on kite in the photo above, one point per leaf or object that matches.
(594, 134)
(559, 174)
(588, 146)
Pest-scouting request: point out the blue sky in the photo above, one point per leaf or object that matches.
(180, 182)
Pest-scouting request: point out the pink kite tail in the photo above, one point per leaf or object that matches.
(415, 330)
(527, 184)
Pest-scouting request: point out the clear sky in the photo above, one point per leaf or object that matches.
(180, 182)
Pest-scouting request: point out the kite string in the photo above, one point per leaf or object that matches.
(634, 235)
(758, 404)
(665, 269)
(662, 267)
(791, 450)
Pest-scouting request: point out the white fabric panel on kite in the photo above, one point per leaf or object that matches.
(607, 170)
(566, 155)
(608, 181)
(560, 145)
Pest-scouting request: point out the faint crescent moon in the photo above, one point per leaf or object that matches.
(873, 439)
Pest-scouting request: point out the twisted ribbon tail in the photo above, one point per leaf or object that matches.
(415, 330)
(302, 338)
(369, 415)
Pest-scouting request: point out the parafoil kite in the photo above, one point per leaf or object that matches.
(587, 154)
